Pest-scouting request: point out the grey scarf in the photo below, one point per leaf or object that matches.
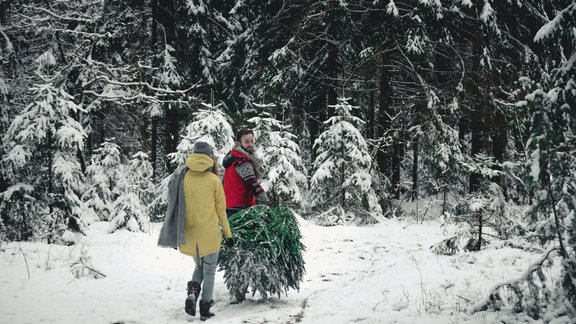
(258, 169)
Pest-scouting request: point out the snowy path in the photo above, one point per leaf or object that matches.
(377, 274)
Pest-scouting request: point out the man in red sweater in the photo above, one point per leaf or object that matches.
(242, 175)
(241, 182)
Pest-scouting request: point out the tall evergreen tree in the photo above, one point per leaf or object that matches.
(280, 155)
(210, 124)
(104, 173)
(134, 193)
(247, 66)
(44, 139)
(341, 186)
(551, 146)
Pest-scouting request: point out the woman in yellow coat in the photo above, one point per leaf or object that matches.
(205, 221)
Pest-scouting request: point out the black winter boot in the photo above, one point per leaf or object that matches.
(205, 310)
(193, 293)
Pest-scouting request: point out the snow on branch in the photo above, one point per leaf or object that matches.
(147, 85)
(520, 288)
(555, 24)
(66, 18)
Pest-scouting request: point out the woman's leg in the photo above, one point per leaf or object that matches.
(209, 264)
(194, 286)
(197, 275)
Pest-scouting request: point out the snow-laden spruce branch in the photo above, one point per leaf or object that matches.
(147, 85)
(9, 48)
(514, 284)
(137, 97)
(83, 33)
(561, 19)
(65, 18)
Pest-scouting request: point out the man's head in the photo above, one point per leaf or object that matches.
(245, 138)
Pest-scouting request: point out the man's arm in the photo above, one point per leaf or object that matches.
(245, 170)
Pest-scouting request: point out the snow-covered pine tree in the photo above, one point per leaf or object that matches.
(280, 156)
(139, 169)
(42, 146)
(483, 208)
(157, 207)
(208, 28)
(210, 125)
(442, 164)
(19, 209)
(341, 187)
(552, 148)
(103, 173)
(133, 190)
(167, 76)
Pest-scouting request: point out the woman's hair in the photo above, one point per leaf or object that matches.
(242, 132)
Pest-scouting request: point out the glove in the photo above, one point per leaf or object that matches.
(230, 242)
(262, 199)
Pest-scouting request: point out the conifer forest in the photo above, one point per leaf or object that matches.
(360, 108)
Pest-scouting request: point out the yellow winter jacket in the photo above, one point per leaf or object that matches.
(205, 207)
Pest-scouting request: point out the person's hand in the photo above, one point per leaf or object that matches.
(230, 242)
(262, 199)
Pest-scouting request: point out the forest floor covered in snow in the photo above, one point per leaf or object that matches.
(383, 273)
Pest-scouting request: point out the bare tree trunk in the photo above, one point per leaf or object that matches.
(154, 145)
(171, 130)
(315, 119)
(476, 113)
(476, 127)
(415, 168)
(444, 200)
(3, 8)
(463, 127)
(165, 15)
(101, 115)
(384, 113)
(396, 161)
(80, 156)
(371, 114)
(332, 63)
(332, 93)
(480, 224)
(499, 141)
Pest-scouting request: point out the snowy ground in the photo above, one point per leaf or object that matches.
(377, 274)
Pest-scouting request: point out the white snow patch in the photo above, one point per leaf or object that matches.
(373, 274)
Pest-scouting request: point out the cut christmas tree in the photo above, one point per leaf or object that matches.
(267, 256)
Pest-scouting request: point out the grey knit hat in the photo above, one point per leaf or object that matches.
(204, 148)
